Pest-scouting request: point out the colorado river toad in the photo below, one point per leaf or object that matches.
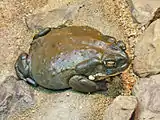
(77, 57)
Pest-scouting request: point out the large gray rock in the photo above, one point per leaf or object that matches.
(143, 10)
(122, 108)
(78, 13)
(15, 97)
(147, 51)
(66, 105)
(147, 91)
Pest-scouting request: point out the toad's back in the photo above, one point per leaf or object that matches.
(66, 47)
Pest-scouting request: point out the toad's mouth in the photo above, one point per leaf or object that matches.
(109, 72)
(97, 77)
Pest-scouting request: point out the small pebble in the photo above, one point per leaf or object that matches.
(91, 77)
(143, 28)
(67, 94)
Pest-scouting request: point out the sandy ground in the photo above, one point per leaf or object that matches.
(14, 34)
(67, 106)
(15, 38)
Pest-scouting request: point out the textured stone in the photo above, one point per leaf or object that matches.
(51, 18)
(122, 108)
(147, 51)
(147, 91)
(15, 97)
(78, 13)
(143, 10)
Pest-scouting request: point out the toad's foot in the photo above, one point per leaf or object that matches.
(82, 84)
(22, 69)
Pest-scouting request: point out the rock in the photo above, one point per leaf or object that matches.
(143, 10)
(147, 51)
(15, 97)
(147, 91)
(66, 105)
(79, 13)
(122, 108)
(51, 18)
(115, 87)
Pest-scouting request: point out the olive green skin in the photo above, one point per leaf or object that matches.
(76, 50)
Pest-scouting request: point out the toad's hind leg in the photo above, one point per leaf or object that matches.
(42, 33)
(82, 84)
(45, 31)
(22, 69)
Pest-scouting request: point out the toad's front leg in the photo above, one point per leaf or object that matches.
(82, 84)
(88, 66)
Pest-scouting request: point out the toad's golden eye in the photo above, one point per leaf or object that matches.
(110, 63)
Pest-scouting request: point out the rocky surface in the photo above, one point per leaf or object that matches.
(66, 105)
(15, 97)
(147, 91)
(146, 65)
(79, 13)
(147, 51)
(122, 108)
(143, 10)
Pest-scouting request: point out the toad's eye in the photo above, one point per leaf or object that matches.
(109, 63)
